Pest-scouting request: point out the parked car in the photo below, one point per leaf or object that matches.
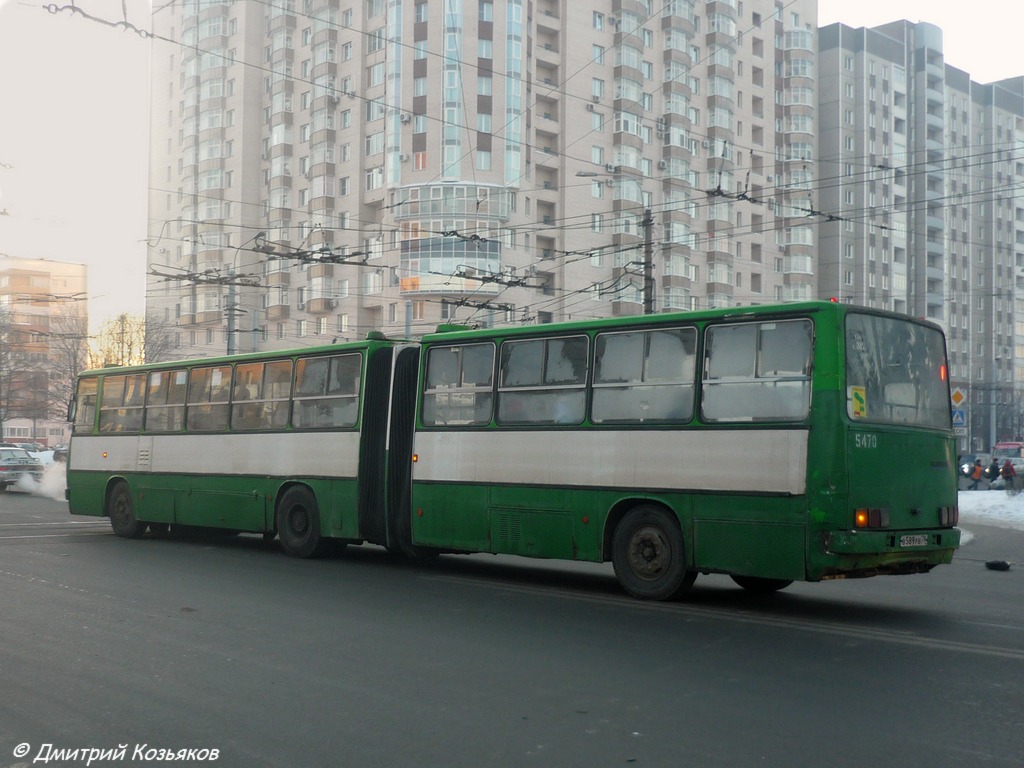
(60, 452)
(16, 463)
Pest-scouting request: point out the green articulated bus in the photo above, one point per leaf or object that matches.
(806, 441)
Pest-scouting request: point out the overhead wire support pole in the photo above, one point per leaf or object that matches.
(648, 224)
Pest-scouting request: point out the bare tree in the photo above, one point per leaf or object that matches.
(69, 354)
(159, 339)
(24, 382)
(120, 341)
(131, 340)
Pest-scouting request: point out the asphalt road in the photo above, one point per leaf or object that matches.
(359, 660)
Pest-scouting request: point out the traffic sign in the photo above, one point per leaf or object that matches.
(959, 417)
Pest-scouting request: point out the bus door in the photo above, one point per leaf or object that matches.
(373, 445)
(399, 448)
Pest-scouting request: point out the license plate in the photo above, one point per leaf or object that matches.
(914, 541)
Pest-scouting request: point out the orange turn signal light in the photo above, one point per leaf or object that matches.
(871, 517)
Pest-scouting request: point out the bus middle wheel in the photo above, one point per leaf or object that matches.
(649, 555)
(298, 523)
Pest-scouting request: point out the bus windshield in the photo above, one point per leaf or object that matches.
(896, 372)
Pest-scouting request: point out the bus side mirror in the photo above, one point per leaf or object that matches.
(72, 409)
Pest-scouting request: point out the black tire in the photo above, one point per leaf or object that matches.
(121, 511)
(298, 523)
(761, 586)
(649, 555)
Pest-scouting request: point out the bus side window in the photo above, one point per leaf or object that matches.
(121, 406)
(85, 415)
(326, 392)
(644, 376)
(208, 396)
(543, 381)
(458, 386)
(165, 402)
(757, 372)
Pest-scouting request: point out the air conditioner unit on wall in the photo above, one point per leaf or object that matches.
(403, 157)
(405, 117)
(590, 107)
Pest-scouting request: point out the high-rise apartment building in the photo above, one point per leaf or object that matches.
(325, 168)
(43, 326)
(920, 170)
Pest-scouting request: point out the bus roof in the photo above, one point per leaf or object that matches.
(374, 339)
(451, 333)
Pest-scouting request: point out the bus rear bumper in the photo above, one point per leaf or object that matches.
(855, 554)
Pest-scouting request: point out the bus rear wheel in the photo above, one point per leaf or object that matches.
(649, 555)
(121, 511)
(761, 586)
(298, 523)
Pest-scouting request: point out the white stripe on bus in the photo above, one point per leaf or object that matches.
(277, 454)
(757, 460)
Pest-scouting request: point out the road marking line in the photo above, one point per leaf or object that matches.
(55, 535)
(849, 632)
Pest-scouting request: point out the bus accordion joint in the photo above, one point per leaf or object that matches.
(871, 517)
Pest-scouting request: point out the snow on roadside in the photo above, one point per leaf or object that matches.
(994, 508)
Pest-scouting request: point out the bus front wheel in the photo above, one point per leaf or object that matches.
(649, 555)
(121, 511)
(298, 523)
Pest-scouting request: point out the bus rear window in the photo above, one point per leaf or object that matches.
(896, 372)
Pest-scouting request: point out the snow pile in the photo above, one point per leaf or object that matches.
(992, 508)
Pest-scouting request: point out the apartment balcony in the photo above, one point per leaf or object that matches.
(321, 306)
(546, 16)
(547, 54)
(320, 270)
(278, 312)
(547, 123)
(281, 278)
(280, 56)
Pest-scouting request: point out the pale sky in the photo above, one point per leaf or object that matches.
(74, 123)
(981, 37)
